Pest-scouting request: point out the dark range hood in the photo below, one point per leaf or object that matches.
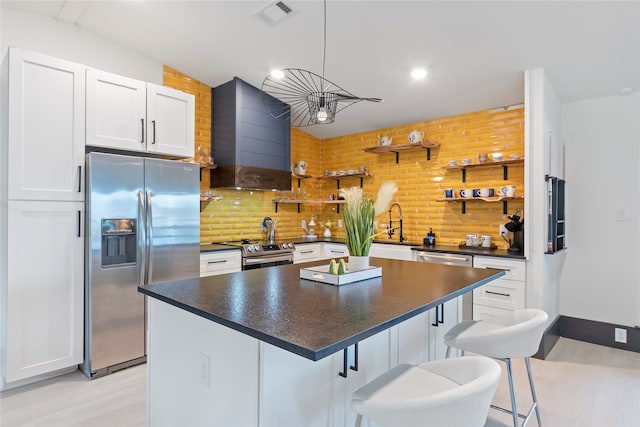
(251, 148)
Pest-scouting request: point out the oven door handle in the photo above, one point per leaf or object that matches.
(267, 259)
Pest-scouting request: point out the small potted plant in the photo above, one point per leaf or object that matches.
(359, 213)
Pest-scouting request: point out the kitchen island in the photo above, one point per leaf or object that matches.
(263, 347)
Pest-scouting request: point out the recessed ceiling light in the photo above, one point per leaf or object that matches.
(625, 91)
(419, 73)
(277, 74)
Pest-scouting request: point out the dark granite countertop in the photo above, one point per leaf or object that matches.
(213, 247)
(502, 253)
(315, 320)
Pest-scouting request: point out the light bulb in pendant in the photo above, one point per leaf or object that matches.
(322, 114)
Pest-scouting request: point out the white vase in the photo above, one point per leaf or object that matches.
(327, 232)
(358, 262)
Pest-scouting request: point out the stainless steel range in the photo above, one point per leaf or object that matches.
(259, 255)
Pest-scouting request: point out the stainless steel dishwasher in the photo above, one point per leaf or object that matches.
(452, 259)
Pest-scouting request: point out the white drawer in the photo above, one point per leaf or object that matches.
(220, 262)
(500, 293)
(482, 312)
(307, 252)
(514, 269)
(335, 250)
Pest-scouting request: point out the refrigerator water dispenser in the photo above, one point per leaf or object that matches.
(118, 242)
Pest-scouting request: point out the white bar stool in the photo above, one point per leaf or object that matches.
(449, 392)
(514, 334)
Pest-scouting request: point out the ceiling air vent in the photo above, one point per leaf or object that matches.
(274, 12)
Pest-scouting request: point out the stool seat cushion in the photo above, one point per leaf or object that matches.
(450, 392)
(513, 334)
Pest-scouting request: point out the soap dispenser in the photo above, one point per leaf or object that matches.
(430, 240)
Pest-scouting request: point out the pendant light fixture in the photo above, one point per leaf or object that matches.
(308, 98)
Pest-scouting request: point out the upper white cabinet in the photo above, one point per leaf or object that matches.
(45, 128)
(129, 114)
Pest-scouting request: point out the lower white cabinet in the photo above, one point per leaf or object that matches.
(504, 294)
(220, 262)
(413, 339)
(335, 251)
(308, 252)
(391, 251)
(45, 287)
(441, 320)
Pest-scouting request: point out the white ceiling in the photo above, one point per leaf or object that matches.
(475, 51)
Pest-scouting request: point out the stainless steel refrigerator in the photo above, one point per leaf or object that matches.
(143, 226)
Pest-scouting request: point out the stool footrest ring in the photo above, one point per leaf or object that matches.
(526, 417)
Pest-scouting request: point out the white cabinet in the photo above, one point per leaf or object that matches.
(441, 320)
(45, 288)
(128, 114)
(308, 252)
(373, 360)
(413, 339)
(392, 251)
(220, 262)
(505, 293)
(295, 391)
(335, 251)
(45, 128)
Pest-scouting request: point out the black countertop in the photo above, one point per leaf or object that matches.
(315, 320)
(500, 253)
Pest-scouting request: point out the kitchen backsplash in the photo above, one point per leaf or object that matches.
(238, 213)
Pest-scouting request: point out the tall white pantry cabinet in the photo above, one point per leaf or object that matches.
(42, 216)
(52, 111)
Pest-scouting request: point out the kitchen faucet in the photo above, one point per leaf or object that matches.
(391, 227)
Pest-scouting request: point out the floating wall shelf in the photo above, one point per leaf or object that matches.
(308, 202)
(424, 145)
(504, 163)
(464, 201)
(343, 176)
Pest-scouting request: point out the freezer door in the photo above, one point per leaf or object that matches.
(114, 310)
(172, 194)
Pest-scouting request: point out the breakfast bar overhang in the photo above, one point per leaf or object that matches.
(264, 347)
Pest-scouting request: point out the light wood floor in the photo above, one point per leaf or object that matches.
(579, 384)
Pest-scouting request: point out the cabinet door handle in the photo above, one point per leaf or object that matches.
(79, 223)
(354, 367)
(439, 315)
(498, 293)
(153, 127)
(496, 267)
(222, 261)
(306, 252)
(343, 373)
(79, 178)
(337, 252)
(142, 125)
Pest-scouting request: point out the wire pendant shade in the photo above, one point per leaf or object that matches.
(312, 99)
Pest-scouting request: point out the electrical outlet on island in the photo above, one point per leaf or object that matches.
(503, 230)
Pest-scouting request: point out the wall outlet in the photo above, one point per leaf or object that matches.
(204, 370)
(621, 335)
(304, 223)
(503, 230)
(339, 223)
(375, 225)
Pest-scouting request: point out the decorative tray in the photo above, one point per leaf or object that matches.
(321, 274)
(465, 246)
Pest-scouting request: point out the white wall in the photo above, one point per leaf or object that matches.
(601, 278)
(543, 157)
(66, 41)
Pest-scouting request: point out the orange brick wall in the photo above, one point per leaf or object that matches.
(239, 213)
